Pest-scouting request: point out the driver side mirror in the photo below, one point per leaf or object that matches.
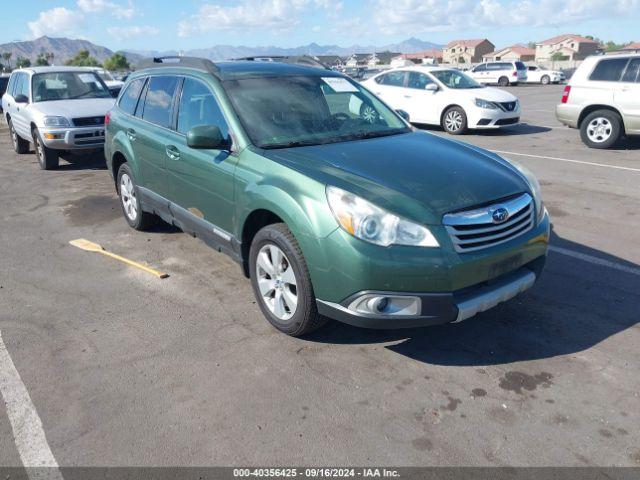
(207, 137)
(403, 114)
(431, 87)
(21, 98)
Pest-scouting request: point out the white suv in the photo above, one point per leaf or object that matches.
(57, 109)
(602, 99)
(501, 73)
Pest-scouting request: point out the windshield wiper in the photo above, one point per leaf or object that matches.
(374, 134)
(292, 144)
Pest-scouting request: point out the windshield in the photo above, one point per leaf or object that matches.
(67, 86)
(291, 111)
(455, 79)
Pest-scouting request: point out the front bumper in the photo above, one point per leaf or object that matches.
(441, 308)
(450, 286)
(490, 118)
(73, 138)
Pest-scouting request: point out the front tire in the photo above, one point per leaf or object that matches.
(20, 145)
(454, 121)
(601, 129)
(130, 201)
(281, 282)
(48, 159)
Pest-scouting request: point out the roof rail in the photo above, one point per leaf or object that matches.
(305, 60)
(189, 62)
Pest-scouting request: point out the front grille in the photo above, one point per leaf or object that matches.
(508, 106)
(88, 121)
(484, 227)
(507, 121)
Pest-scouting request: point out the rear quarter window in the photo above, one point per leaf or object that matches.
(130, 96)
(609, 70)
(158, 103)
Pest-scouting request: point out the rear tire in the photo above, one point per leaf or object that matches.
(454, 121)
(545, 80)
(503, 81)
(20, 145)
(601, 129)
(48, 159)
(281, 282)
(130, 201)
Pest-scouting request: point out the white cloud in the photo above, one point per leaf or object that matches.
(399, 16)
(132, 31)
(115, 9)
(254, 14)
(57, 21)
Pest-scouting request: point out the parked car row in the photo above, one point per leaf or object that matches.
(332, 204)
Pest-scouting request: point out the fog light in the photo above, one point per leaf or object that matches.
(387, 305)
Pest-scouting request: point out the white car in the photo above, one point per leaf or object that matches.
(501, 73)
(446, 97)
(57, 109)
(112, 84)
(538, 74)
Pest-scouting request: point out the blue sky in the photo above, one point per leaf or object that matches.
(186, 24)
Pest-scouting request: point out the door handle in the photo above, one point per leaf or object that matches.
(131, 133)
(172, 152)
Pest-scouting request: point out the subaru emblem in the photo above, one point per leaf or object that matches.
(500, 215)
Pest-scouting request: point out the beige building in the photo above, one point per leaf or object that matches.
(566, 47)
(467, 51)
(631, 48)
(512, 53)
(426, 56)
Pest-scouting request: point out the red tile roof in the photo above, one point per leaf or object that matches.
(467, 43)
(632, 46)
(519, 49)
(560, 38)
(431, 53)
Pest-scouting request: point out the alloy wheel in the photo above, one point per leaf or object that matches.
(128, 197)
(38, 148)
(277, 281)
(453, 121)
(14, 137)
(599, 130)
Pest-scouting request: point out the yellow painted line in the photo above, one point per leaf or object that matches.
(89, 246)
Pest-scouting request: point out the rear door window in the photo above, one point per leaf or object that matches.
(632, 73)
(129, 98)
(609, 70)
(158, 103)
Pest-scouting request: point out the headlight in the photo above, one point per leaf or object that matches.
(372, 224)
(535, 188)
(56, 122)
(485, 104)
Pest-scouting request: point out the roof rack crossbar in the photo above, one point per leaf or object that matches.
(304, 60)
(189, 62)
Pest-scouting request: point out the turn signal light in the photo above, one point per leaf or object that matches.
(565, 94)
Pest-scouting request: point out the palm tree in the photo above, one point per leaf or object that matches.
(7, 56)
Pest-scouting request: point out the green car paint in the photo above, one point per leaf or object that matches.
(218, 195)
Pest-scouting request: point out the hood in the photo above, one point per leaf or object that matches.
(81, 107)
(492, 94)
(418, 175)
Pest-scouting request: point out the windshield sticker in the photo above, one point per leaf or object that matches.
(87, 77)
(339, 84)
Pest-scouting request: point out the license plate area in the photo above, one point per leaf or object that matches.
(505, 266)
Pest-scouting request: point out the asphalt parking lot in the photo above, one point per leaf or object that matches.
(126, 369)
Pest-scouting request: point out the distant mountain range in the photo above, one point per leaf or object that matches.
(66, 48)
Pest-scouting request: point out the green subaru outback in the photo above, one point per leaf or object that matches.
(334, 206)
